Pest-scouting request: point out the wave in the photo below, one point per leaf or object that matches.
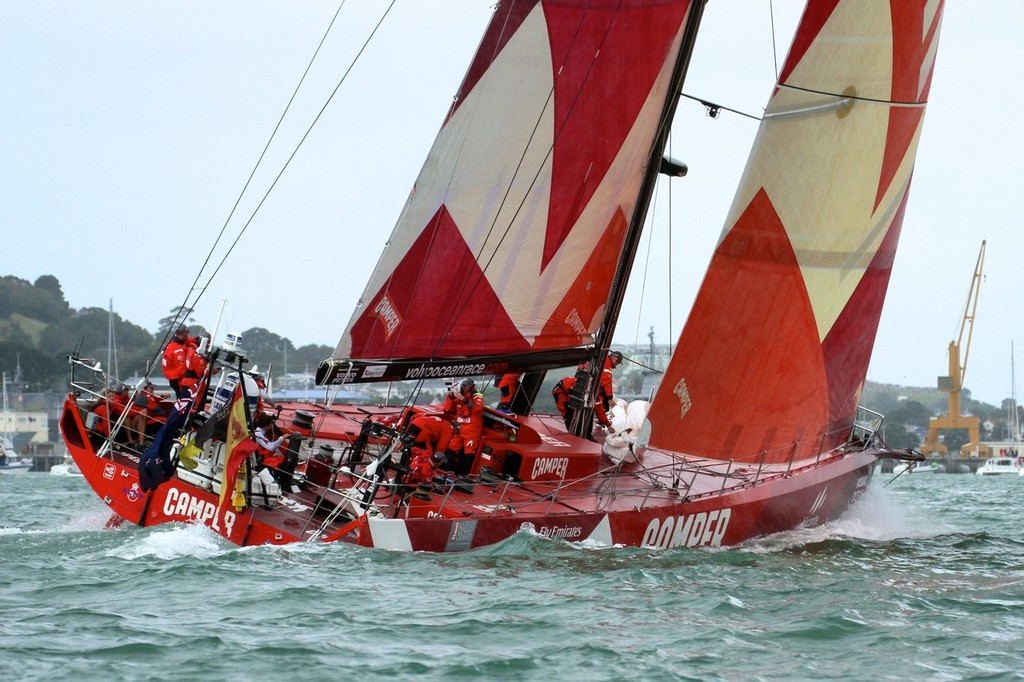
(173, 541)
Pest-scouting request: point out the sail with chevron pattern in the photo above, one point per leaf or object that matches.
(773, 357)
(506, 249)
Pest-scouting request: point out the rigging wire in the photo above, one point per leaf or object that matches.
(185, 309)
(714, 109)
(647, 267)
(301, 141)
(671, 281)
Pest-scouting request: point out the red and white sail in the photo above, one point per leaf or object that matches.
(507, 246)
(775, 351)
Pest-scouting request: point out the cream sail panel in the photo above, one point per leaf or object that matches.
(865, 40)
(834, 234)
(468, 138)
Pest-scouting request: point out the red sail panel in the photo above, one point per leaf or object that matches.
(398, 325)
(510, 237)
(773, 358)
(597, 100)
(847, 348)
(583, 306)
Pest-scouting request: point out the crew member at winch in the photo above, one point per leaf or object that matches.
(429, 438)
(468, 410)
(561, 395)
(274, 453)
(605, 393)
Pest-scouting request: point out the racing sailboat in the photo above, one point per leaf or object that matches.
(512, 255)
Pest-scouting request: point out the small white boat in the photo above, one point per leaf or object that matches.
(999, 465)
(928, 467)
(9, 462)
(925, 467)
(12, 468)
(66, 468)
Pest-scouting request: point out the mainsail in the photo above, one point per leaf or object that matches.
(505, 252)
(773, 357)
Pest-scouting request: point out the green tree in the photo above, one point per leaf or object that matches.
(179, 315)
(6, 300)
(307, 358)
(264, 347)
(897, 437)
(39, 304)
(51, 285)
(953, 439)
(88, 332)
(909, 412)
(40, 372)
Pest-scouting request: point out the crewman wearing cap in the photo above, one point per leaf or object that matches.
(173, 362)
(468, 408)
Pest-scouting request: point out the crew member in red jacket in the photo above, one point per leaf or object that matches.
(431, 447)
(173, 362)
(508, 384)
(195, 365)
(432, 434)
(109, 408)
(143, 414)
(604, 390)
(468, 408)
(561, 395)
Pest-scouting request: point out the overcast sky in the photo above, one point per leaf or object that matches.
(128, 130)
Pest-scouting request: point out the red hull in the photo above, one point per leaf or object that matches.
(714, 503)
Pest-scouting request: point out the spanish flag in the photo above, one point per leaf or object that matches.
(239, 446)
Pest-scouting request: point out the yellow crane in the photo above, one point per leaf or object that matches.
(954, 383)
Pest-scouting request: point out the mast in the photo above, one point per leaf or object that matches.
(1014, 422)
(634, 230)
(7, 423)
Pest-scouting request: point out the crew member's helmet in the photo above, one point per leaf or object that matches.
(467, 385)
(616, 356)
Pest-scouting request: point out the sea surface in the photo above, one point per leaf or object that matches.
(924, 579)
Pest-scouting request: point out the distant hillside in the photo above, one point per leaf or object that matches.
(38, 330)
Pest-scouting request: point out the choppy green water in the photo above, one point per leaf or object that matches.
(923, 580)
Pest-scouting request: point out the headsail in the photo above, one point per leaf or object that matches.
(775, 352)
(505, 252)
